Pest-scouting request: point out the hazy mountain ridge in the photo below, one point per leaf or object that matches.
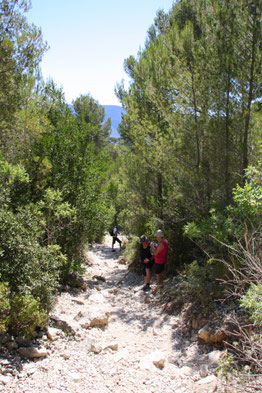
(113, 111)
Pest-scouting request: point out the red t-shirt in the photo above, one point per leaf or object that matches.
(162, 256)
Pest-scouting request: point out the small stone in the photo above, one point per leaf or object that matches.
(113, 291)
(157, 358)
(80, 315)
(206, 385)
(96, 348)
(187, 371)
(214, 356)
(97, 298)
(11, 345)
(32, 352)
(211, 336)
(63, 324)
(65, 356)
(147, 299)
(121, 355)
(99, 278)
(52, 333)
(96, 321)
(84, 286)
(114, 347)
(75, 377)
(4, 379)
(203, 371)
(22, 340)
(122, 261)
(78, 301)
(31, 371)
(155, 332)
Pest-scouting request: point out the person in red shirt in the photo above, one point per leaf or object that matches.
(160, 255)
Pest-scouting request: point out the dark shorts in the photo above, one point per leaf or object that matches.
(148, 265)
(159, 268)
(115, 239)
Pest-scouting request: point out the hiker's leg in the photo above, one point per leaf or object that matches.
(119, 241)
(147, 276)
(159, 274)
(159, 278)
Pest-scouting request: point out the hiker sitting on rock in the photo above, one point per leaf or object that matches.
(147, 259)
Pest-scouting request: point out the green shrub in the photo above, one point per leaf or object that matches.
(14, 185)
(132, 250)
(252, 301)
(57, 215)
(25, 264)
(26, 315)
(4, 307)
(200, 281)
(132, 253)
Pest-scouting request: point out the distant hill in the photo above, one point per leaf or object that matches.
(113, 111)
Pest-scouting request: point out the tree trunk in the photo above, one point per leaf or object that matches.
(227, 141)
(160, 194)
(250, 94)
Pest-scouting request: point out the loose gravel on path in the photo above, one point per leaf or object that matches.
(136, 329)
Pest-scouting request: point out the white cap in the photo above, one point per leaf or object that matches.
(159, 233)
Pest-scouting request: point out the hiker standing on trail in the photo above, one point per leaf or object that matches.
(147, 259)
(115, 238)
(160, 255)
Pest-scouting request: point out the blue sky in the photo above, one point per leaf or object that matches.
(89, 41)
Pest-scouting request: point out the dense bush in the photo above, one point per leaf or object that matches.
(25, 263)
(31, 262)
(26, 314)
(252, 301)
(234, 239)
(4, 306)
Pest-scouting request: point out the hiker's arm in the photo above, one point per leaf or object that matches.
(159, 248)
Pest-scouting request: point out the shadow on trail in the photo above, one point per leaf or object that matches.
(106, 252)
(151, 315)
(130, 284)
(12, 363)
(148, 315)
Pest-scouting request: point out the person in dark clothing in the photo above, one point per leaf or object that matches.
(147, 259)
(115, 238)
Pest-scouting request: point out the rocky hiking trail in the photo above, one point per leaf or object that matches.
(110, 337)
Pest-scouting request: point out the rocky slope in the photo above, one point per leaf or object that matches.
(109, 337)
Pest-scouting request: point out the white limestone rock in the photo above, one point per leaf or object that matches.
(187, 371)
(32, 352)
(65, 324)
(206, 385)
(96, 320)
(211, 336)
(78, 301)
(4, 379)
(122, 261)
(52, 333)
(156, 358)
(215, 356)
(112, 346)
(96, 298)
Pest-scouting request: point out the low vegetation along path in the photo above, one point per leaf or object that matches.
(111, 337)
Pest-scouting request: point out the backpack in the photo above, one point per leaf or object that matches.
(112, 233)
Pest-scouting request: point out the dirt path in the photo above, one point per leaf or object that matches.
(137, 330)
